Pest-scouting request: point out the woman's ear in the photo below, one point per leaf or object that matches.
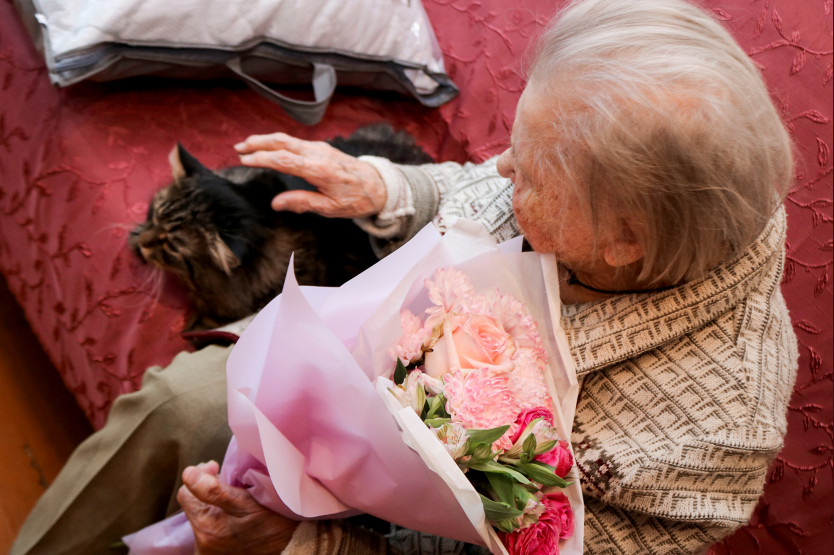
(625, 248)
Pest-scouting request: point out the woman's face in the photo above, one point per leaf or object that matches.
(548, 211)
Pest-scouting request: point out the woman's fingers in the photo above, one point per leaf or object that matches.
(212, 467)
(281, 160)
(272, 141)
(202, 487)
(281, 141)
(347, 187)
(305, 201)
(227, 520)
(321, 165)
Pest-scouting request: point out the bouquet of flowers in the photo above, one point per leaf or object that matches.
(311, 400)
(474, 370)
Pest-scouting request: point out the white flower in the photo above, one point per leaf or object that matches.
(411, 392)
(454, 438)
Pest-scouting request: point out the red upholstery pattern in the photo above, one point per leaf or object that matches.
(78, 166)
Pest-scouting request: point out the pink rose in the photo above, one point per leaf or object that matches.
(559, 457)
(556, 523)
(476, 341)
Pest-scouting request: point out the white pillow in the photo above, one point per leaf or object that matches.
(377, 44)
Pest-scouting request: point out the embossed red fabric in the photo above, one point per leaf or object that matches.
(78, 166)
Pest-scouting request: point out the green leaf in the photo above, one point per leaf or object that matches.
(487, 436)
(521, 493)
(503, 486)
(399, 372)
(507, 525)
(480, 452)
(542, 473)
(437, 407)
(528, 449)
(497, 511)
(529, 445)
(546, 446)
(492, 466)
(436, 422)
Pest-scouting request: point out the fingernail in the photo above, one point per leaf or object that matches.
(239, 146)
(245, 158)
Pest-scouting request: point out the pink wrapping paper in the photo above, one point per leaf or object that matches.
(314, 437)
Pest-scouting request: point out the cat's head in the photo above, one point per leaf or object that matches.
(198, 223)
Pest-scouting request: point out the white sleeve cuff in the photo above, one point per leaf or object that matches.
(399, 201)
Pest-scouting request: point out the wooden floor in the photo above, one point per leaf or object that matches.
(40, 422)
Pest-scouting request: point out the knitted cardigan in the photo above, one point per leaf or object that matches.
(684, 391)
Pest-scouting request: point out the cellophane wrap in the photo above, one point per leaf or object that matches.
(318, 435)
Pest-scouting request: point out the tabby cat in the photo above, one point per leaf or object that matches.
(217, 232)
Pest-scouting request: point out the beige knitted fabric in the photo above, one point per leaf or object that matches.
(334, 537)
(684, 401)
(684, 395)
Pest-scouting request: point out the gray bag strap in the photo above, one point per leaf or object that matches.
(308, 112)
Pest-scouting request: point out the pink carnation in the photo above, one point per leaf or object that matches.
(528, 415)
(479, 400)
(559, 457)
(556, 523)
(414, 335)
(527, 384)
(450, 291)
(516, 319)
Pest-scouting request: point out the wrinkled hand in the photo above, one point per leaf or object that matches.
(227, 519)
(347, 187)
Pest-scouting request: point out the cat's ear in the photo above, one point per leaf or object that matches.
(183, 164)
(223, 255)
(238, 246)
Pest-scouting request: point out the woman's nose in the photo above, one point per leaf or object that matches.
(504, 165)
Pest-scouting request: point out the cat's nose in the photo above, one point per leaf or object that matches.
(150, 238)
(145, 253)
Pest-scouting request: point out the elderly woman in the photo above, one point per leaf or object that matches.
(647, 156)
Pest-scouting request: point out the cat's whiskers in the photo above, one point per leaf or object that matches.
(125, 227)
(151, 285)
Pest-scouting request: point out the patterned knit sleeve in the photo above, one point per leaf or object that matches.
(607, 530)
(336, 537)
(440, 193)
(614, 531)
(346, 537)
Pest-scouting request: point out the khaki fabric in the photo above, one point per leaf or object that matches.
(176, 419)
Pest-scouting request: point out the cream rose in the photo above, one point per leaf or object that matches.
(475, 341)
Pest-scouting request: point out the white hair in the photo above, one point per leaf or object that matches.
(661, 117)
